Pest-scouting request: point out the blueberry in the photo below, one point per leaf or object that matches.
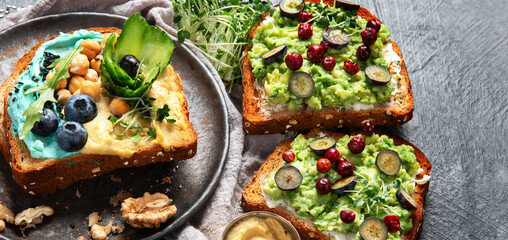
(47, 125)
(80, 108)
(130, 65)
(71, 136)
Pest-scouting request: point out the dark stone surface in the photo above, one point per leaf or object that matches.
(456, 54)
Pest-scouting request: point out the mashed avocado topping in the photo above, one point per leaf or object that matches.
(334, 88)
(42, 147)
(373, 195)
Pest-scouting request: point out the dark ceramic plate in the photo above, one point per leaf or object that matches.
(192, 181)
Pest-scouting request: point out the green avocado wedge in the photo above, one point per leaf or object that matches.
(151, 45)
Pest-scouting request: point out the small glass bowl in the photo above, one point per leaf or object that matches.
(285, 223)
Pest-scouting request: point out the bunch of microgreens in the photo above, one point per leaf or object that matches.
(220, 29)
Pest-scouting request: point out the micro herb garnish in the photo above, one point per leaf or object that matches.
(163, 113)
(219, 29)
(151, 132)
(34, 112)
(132, 129)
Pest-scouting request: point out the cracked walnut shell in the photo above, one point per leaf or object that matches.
(148, 211)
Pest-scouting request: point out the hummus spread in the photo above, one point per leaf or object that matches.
(255, 228)
(102, 140)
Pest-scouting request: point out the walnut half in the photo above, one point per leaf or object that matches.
(148, 211)
(29, 217)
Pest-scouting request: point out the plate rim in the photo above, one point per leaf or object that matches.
(207, 193)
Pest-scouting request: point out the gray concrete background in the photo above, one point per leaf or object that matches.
(456, 54)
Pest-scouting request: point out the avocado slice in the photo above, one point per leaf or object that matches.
(152, 46)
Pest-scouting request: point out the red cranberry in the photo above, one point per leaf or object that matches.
(323, 165)
(328, 63)
(325, 45)
(341, 159)
(288, 156)
(376, 24)
(367, 128)
(356, 145)
(345, 168)
(351, 68)
(294, 61)
(323, 186)
(363, 53)
(369, 36)
(333, 155)
(347, 216)
(304, 16)
(315, 53)
(392, 222)
(304, 31)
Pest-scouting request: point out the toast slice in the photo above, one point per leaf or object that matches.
(42, 177)
(253, 199)
(259, 119)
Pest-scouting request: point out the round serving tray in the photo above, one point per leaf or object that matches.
(191, 181)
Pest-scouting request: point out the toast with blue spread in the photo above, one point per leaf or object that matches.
(91, 101)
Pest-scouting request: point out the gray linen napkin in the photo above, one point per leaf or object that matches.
(246, 153)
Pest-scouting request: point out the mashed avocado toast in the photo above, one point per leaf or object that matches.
(323, 64)
(91, 101)
(337, 190)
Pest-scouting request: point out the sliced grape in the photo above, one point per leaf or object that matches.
(288, 178)
(373, 228)
(344, 184)
(336, 38)
(301, 84)
(291, 8)
(275, 55)
(320, 145)
(406, 200)
(349, 6)
(378, 75)
(388, 162)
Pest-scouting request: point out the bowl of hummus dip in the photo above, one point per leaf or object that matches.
(260, 226)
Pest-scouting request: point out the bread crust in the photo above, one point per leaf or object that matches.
(253, 200)
(256, 122)
(44, 177)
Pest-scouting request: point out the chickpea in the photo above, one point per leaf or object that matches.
(79, 65)
(118, 107)
(62, 84)
(58, 66)
(103, 90)
(96, 63)
(63, 95)
(91, 75)
(2, 225)
(105, 39)
(91, 89)
(90, 48)
(50, 75)
(75, 84)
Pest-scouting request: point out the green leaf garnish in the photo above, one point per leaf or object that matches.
(151, 132)
(34, 112)
(136, 137)
(162, 113)
(182, 35)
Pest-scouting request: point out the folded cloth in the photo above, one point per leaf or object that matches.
(246, 153)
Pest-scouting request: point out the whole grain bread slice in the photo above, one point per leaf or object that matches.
(253, 199)
(42, 177)
(258, 120)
